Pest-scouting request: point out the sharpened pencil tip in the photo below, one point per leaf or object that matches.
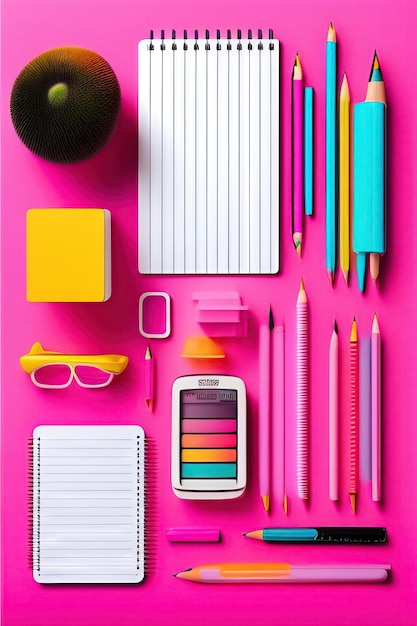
(346, 276)
(271, 319)
(330, 277)
(331, 33)
(335, 326)
(265, 500)
(354, 331)
(376, 73)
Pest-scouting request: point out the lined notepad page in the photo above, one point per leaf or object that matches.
(209, 156)
(88, 504)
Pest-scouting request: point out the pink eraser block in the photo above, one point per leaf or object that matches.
(216, 295)
(193, 535)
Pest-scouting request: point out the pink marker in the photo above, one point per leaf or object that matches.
(278, 412)
(264, 408)
(376, 410)
(333, 416)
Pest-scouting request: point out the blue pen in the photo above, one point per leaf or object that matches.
(331, 153)
(322, 534)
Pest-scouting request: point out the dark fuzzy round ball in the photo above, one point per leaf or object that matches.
(73, 121)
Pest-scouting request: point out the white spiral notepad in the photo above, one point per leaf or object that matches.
(88, 504)
(209, 155)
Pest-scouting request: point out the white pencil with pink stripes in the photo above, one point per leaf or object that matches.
(302, 395)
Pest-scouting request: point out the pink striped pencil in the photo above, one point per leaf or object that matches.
(376, 410)
(354, 414)
(302, 394)
(333, 416)
(297, 153)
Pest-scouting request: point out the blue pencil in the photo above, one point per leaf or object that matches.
(331, 153)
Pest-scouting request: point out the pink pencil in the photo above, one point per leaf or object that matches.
(264, 408)
(278, 408)
(302, 394)
(333, 416)
(149, 378)
(376, 410)
(297, 153)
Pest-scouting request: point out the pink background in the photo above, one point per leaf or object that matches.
(113, 28)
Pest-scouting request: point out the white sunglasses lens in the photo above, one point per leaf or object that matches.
(92, 376)
(53, 374)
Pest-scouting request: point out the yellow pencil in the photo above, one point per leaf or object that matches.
(344, 169)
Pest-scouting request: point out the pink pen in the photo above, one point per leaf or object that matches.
(264, 408)
(149, 378)
(333, 416)
(297, 153)
(278, 412)
(376, 410)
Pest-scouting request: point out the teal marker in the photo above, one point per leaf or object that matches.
(369, 179)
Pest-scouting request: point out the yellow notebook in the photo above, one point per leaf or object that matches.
(68, 255)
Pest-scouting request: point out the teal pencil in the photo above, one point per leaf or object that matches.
(331, 53)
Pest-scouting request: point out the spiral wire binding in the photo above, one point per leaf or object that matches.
(151, 508)
(196, 45)
(34, 525)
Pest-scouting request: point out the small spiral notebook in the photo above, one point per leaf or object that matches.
(88, 496)
(209, 154)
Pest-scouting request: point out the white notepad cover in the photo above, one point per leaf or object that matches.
(88, 504)
(209, 156)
